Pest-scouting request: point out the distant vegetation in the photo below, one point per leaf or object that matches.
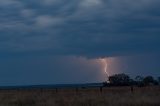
(125, 80)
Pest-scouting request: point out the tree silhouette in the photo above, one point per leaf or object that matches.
(139, 78)
(148, 80)
(159, 80)
(139, 81)
(119, 79)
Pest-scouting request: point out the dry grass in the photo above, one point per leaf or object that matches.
(114, 96)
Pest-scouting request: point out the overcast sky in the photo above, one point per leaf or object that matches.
(63, 41)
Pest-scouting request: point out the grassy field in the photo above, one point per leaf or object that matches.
(111, 96)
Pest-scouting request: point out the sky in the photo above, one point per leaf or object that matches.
(66, 41)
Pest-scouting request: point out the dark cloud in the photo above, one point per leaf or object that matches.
(87, 27)
(46, 41)
(49, 70)
(144, 64)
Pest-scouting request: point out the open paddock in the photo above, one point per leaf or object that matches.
(107, 96)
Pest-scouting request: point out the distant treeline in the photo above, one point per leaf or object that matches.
(125, 80)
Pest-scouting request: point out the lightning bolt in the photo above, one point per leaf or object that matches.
(104, 62)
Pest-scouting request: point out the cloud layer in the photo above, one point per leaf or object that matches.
(50, 70)
(92, 28)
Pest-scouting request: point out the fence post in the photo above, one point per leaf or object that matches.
(132, 89)
(101, 89)
(76, 90)
(56, 90)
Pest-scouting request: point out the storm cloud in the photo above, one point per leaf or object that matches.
(91, 28)
(63, 41)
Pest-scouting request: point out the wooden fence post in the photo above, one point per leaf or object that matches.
(76, 90)
(101, 89)
(132, 89)
(56, 90)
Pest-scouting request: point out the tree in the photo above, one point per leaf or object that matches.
(119, 79)
(159, 80)
(139, 78)
(139, 81)
(148, 80)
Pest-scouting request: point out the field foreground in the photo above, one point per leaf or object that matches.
(111, 96)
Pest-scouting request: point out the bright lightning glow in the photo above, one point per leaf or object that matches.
(105, 66)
